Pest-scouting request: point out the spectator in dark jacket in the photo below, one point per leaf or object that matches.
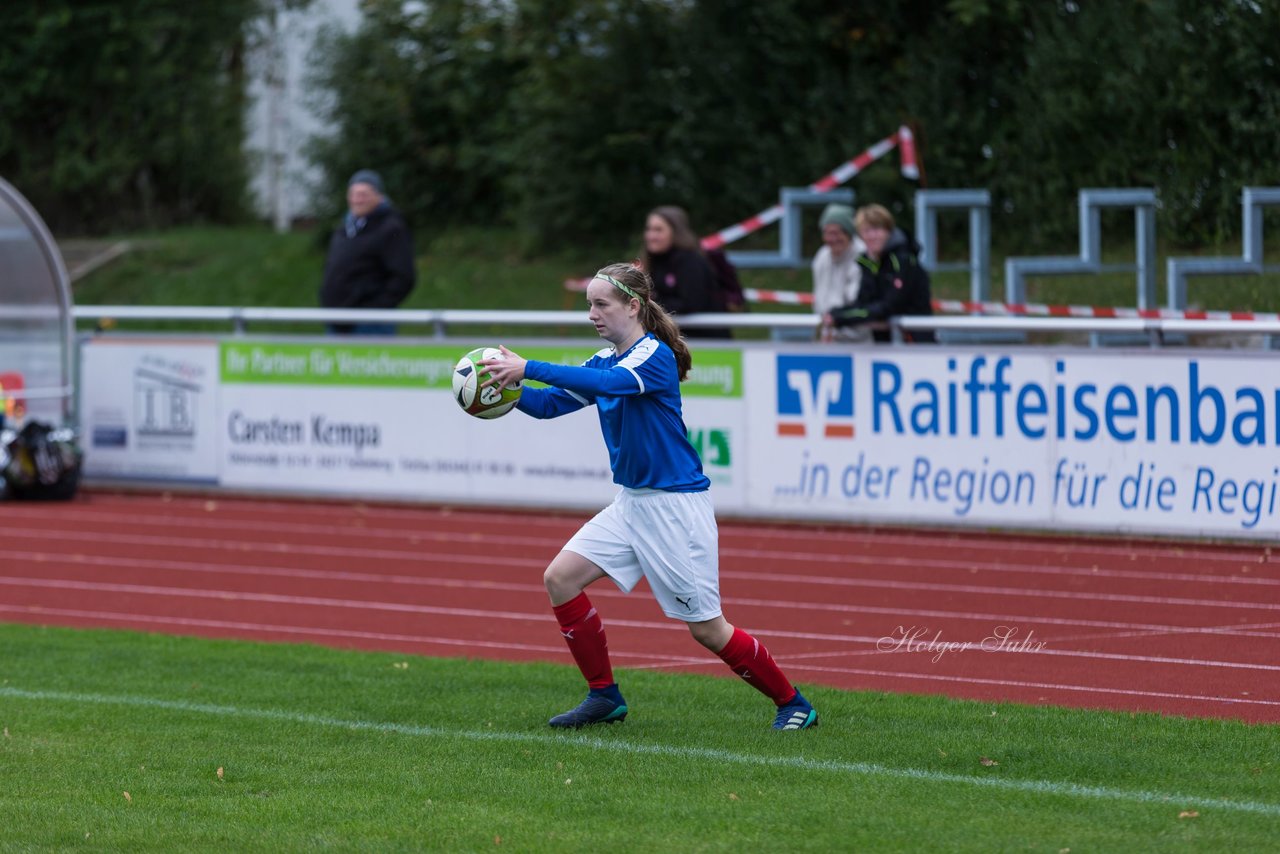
(893, 282)
(370, 262)
(684, 281)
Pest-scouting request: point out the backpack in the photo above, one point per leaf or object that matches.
(730, 289)
(40, 463)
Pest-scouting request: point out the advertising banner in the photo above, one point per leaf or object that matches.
(1179, 441)
(380, 419)
(1171, 442)
(149, 410)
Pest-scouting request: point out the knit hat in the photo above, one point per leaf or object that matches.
(368, 176)
(841, 215)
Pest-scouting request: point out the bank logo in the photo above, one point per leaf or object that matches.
(815, 396)
(164, 405)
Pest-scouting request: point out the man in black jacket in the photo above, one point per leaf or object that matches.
(893, 282)
(370, 262)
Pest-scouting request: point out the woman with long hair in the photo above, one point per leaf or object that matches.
(661, 526)
(684, 279)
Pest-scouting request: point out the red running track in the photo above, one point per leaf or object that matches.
(1177, 628)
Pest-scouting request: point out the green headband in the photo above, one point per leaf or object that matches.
(626, 290)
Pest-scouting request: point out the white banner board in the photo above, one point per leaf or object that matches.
(1175, 441)
(149, 412)
(375, 420)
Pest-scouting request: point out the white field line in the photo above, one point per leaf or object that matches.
(608, 592)
(371, 605)
(552, 546)
(1052, 788)
(728, 528)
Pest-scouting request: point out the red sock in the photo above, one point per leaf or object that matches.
(584, 633)
(748, 658)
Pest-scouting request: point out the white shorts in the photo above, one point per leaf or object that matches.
(669, 538)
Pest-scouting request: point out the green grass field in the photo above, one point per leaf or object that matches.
(242, 746)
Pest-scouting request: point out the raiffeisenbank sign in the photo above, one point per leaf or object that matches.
(1181, 441)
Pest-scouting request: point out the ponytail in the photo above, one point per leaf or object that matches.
(656, 320)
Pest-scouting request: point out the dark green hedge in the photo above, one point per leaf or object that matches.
(570, 118)
(120, 114)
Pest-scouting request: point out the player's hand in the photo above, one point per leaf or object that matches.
(506, 371)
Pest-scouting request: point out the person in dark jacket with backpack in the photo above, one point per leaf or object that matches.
(684, 280)
(370, 261)
(893, 282)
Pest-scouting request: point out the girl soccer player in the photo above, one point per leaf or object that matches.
(661, 526)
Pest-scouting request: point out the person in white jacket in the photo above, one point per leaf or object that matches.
(836, 273)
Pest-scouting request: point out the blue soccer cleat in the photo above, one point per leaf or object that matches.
(602, 706)
(797, 714)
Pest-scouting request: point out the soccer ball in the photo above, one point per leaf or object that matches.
(469, 375)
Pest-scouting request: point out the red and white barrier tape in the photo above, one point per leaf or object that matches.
(777, 297)
(944, 306)
(1093, 311)
(902, 140)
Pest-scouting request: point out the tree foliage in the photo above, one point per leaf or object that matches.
(118, 113)
(569, 118)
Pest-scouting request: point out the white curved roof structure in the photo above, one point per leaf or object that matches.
(36, 329)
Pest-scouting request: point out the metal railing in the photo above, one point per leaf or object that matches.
(1250, 260)
(1157, 332)
(1143, 203)
(977, 203)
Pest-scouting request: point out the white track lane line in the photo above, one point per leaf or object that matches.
(798, 531)
(327, 602)
(552, 545)
(54, 560)
(358, 605)
(420, 557)
(983, 590)
(1008, 683)
(682, 752)
(1013, 683)
(322, 634)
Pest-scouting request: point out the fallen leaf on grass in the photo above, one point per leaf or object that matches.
(568, 781)
(1188, 814)
(988, 762)
(941, 752)
(6, 733)
(734, 797)
(128, 798)
(219, 772)
(497, 840)
(401, 665)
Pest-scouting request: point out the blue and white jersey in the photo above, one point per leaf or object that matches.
(637, 394)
